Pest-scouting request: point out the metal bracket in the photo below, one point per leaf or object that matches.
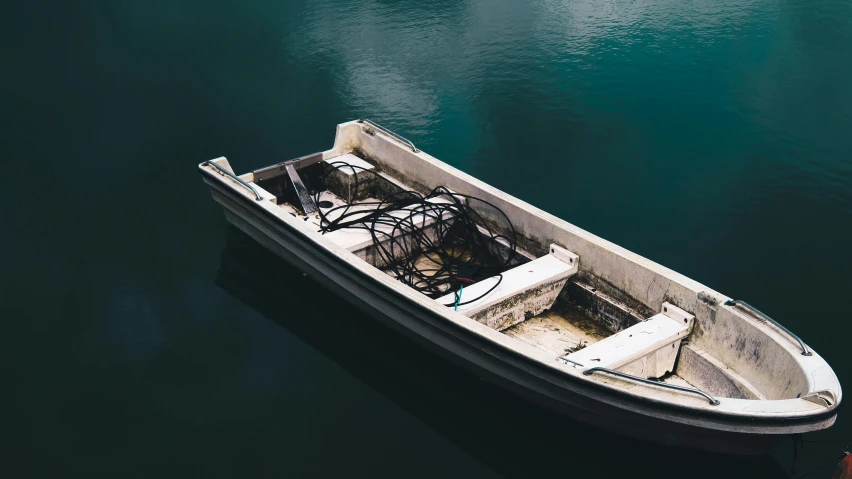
(308, 205)
(677, 314)
(569, 361)
(565, 256)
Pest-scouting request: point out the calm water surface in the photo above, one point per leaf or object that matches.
(144, 338)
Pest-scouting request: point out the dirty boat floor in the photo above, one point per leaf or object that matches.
(562, 329)
(566, 328)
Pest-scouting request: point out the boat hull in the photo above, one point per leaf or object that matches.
(578, 400)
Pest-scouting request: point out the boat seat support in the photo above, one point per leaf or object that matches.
(308, 205)
(647, 349)
(524, 291)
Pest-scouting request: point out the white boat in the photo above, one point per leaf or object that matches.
(528, 301)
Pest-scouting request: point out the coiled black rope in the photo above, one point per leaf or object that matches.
(434, 243)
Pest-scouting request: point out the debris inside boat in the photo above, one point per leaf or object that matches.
(528, 301)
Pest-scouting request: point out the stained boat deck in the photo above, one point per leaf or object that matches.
(565, 329)
(561, 330)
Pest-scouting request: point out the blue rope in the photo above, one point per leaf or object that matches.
(461, 287)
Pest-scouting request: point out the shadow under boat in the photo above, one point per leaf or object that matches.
(511, 436)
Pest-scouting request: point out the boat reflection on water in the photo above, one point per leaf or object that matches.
(507, 434)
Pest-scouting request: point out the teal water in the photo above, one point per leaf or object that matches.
(710, 136)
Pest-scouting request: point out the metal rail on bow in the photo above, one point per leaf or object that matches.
(734, 302)
(257, 197)
(398, 137)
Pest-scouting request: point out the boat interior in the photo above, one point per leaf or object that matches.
(531, 286)
(541, 300)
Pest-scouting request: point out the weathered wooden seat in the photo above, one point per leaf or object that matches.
(647, 349)
(526, 290)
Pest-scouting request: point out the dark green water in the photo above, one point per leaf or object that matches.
(710, 136)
